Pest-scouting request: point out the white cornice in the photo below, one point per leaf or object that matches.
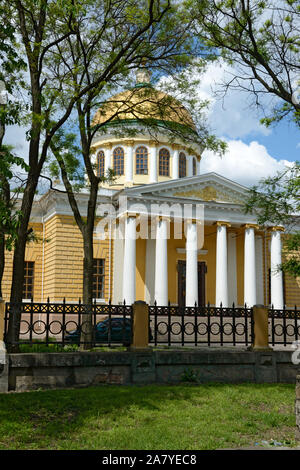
(53, 202)
(190, 182)
(102, 139)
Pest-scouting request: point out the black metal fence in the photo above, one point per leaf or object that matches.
(63, 323)
(201, 325)
(284, 326)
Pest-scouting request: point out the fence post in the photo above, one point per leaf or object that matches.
(261, 330)
(140, 329)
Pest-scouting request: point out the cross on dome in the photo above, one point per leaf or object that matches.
(143, 75)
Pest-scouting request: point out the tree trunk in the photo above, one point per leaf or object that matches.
(18, 266)
(87, 320)
(88, 262)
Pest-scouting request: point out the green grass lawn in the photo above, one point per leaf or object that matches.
(150, 417)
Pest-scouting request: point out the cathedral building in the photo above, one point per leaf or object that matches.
(195, 244)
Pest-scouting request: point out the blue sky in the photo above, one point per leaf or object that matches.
(282, 142)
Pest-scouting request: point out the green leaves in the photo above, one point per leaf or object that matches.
(8, 160)
(264, 53)
(276, 201)
(67, 151)
(10, 218)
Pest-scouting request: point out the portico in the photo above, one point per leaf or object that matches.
(191, 256)
(233, 253)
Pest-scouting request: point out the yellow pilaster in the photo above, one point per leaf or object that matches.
(261, 335)
(140, 333)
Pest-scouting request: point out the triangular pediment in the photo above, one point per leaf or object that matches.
(207, 187)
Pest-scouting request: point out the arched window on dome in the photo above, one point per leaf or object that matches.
(194, 166)
(118, 157)
(100, 164)
(164, 162)
(141, 161)
(182, 165)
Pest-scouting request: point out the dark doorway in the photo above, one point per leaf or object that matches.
(181, 268)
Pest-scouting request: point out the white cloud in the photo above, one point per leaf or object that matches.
(16, 136)
(243, 163)
(234, 115)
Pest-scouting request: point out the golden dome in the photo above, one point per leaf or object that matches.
(144, 103)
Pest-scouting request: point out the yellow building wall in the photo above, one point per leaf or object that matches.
(7, 276)
(292, 285)
(64, 260)
(50, 259)
(33, 253)
(60, 275)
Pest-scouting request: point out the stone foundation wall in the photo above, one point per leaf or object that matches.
(80, 369)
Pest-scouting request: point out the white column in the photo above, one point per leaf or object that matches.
(259, 270)
(129, 260)
(150, 271)
(276, 273)
(175, 164)
(191, 288)
(118, 268)
(198, 167)
(153, 165)
(108, 158)
(189, 165)
(129, 163)
(221, 265)
(161, 263)
(249, 266)
(231, 269)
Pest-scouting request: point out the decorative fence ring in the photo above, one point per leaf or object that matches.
(215, 328)
(240, 329)
(292, 330)
(192, 332)
(51, 325)
(67, 330)
(159, 330)
(28, 327)
(205, 326)
(39, 331)
(228, 326)
(278, 330)
(176, 323)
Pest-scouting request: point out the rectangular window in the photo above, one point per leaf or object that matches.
(28, 280)
(98, 278)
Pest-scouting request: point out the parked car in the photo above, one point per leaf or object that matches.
(118, 334)
(112, 330)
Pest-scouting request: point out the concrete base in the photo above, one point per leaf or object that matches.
(227, 365)
(3, 368)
